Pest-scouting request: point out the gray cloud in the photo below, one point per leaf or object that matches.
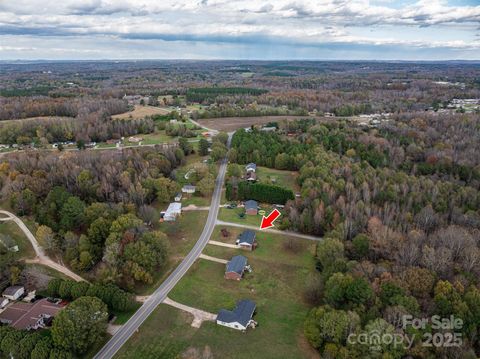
(334, 25)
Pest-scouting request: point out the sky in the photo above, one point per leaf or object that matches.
(246, 29)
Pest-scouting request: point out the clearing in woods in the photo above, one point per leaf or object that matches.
(141, 112)
(234, 123)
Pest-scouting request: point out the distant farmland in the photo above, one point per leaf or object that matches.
(142, 111)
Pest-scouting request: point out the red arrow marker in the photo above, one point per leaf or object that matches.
(267, 222)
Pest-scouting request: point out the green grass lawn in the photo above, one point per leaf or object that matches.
(155, 138)
(276, 285)
(285, 179)
(198, 201)
(11, 229)
(182, 236)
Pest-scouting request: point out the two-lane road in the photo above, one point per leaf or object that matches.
(126, 331)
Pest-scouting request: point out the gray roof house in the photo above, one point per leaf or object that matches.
(247, 240)
(251, 207)
(235, 268)
(251, 167)
(240, 318)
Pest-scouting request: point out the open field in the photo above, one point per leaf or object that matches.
(234, 123)
(285, 179)
(232, 215)
(11, 229)
(276, 285)
(142, 111)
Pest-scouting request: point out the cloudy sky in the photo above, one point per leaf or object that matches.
(233, 29)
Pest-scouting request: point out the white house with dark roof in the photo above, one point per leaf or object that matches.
(247, 240)
(240, 318)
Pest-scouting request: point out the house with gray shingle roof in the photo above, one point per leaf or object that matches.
(236, 267)
(240, 318)
(251, 207)
(247, 240)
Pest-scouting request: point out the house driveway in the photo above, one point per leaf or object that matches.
(276, 231)
(213, 259)
(221, 244)
(199, 316)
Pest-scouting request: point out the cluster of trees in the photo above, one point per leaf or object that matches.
(209, 94)
(262, 192)
(12, 108)
(179, 129)
(267, 149)
(363, 288)
(115, 298)
(241, 110)
(41, 132)
(396, 242)
(74, 331)
(93, 208)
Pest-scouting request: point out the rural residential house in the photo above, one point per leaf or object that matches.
(188, 188)
(13, 293)
(240, 318)
(236, 267)
(30, 315)
(251, 167)
(173, 211)
(247, 240)
(251, 207)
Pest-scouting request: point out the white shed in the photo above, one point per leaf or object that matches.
(13, 293)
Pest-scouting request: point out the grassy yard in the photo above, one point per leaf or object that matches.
(155, 138)
(11, 229)
(198, 201)
(182, 236)
(280, 178)
(276, 285)
(232, 215)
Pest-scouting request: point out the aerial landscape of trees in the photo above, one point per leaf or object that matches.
(379, 164)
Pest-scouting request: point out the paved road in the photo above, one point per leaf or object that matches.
(41, 257)
(160, 294)
(276, 231)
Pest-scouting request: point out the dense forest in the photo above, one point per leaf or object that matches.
(93, 207)
(399, 239)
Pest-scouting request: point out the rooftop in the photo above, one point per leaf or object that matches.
(25, 315)
(174, 207)
(237, 264)
(242, 313)
(12, 290)
(251, 204)
(247, 236)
